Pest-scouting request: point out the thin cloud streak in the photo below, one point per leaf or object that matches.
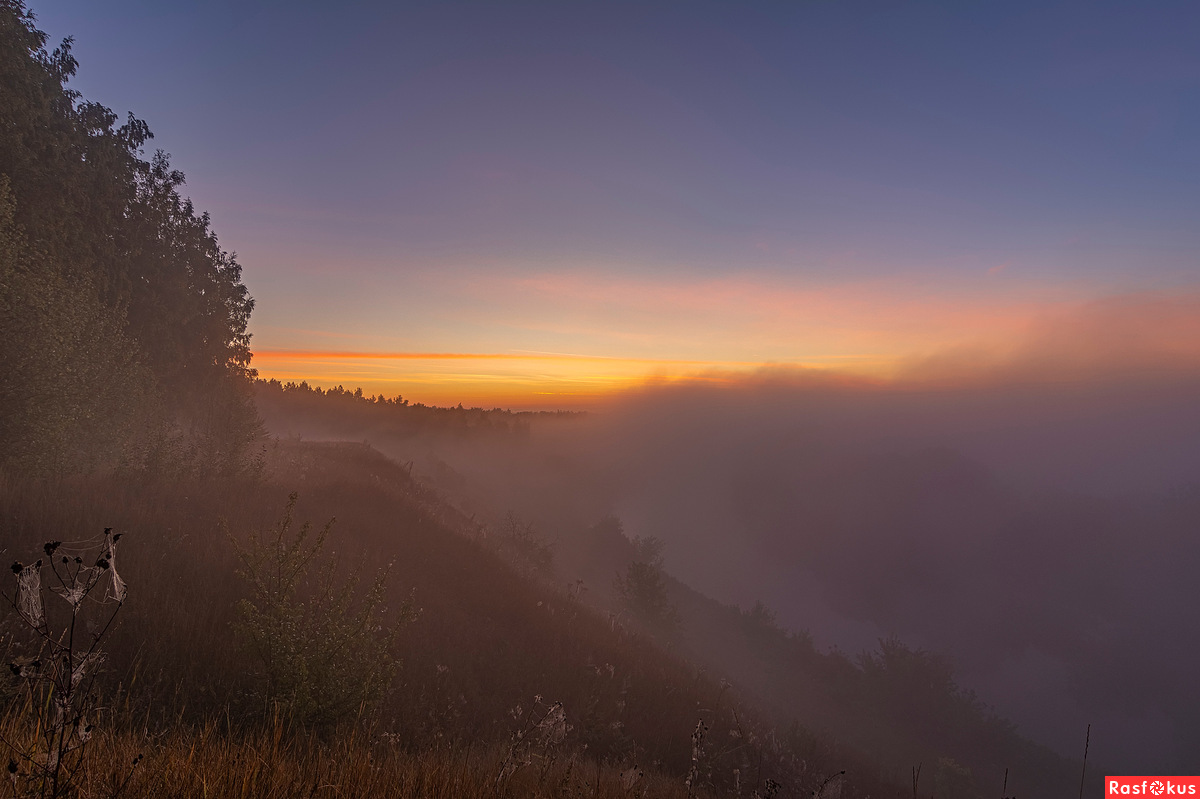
(338, 355)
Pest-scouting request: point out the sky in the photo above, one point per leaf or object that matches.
(982, 215)
(538, 204)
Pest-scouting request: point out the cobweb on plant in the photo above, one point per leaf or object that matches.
(118, 590)
(29, 594)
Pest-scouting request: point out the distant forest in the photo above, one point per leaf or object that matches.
(122, 320)
(346, 413)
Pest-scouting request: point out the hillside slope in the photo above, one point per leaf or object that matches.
(900, 705)
(489, 645)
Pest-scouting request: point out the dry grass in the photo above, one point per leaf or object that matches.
(211, 760)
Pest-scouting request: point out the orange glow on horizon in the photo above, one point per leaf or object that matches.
(516, 380)
(913, 342)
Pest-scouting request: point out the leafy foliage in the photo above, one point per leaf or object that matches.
(73, 388)
(115, 287)
(324, 653)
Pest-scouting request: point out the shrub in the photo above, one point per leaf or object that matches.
(524, 548)
(324, 652)
(642, 589)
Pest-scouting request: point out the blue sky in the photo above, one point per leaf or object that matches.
(398, 177)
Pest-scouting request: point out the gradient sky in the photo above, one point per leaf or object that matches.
(586, 195)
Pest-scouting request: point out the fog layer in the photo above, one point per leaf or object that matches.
(1033, 513)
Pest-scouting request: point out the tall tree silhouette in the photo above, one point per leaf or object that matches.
(98, 226)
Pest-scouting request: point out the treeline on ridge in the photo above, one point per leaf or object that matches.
(338, 411)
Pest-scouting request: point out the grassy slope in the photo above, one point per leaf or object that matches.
(488, 640)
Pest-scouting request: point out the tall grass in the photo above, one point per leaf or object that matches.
(213, 760)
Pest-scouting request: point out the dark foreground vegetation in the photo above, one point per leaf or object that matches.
(502, 685)
(187, 619)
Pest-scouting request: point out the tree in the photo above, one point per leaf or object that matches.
(642, 589)
(99, 239)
